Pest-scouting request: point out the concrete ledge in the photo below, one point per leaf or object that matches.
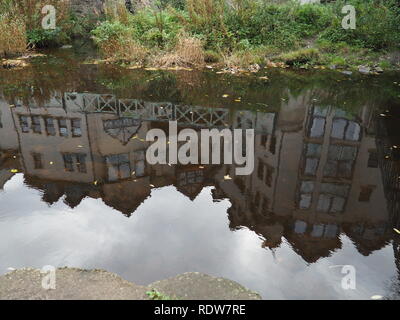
(79, 284)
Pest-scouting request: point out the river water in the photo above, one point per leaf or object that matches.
(317, 218)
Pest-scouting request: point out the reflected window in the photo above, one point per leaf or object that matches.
(76, 127)
(75, 158)
(306, 191)
(317, 230)
(340, 161)
(313, 153)
(264, 139)
(345, 130)
(331, 231)
(313, 150)
(272, 145)
(118, 167)
(81, 162)
(37, 161)
(311, 166)
(373, 159)
(36, 127)
(68, 162)
(317, 127)
(23, 121)
(50, 128)
(366, 193)
(62, 127)
(300, 227)
(332, 198)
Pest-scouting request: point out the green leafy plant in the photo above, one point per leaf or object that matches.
(156, 295)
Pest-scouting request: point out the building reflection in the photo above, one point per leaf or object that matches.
(318, 171)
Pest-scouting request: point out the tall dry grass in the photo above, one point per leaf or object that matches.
(115, 10)
(125, 50)
(19, 16)
(188, 52)
(31, 10)
(12, 36)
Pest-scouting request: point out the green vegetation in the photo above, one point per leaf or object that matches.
(155, 295)
(21, 25)
(242, 32)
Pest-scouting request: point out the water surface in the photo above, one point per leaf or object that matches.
(75, 189)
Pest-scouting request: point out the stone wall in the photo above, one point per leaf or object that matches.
(86, 7)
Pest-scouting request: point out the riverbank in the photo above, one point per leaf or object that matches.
(236, 37)
(80, 284)
(248, 34)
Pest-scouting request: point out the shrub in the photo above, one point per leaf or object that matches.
(116, 42)
(41, 38)
(377, 25)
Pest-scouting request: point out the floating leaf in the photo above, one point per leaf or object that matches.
(225, 96)
(14, 170)
(227, 177)
(396, 230)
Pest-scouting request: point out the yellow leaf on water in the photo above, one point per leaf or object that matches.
(95, 183)
(227, 177)
(396, 230)
(225, 96)
(14, 170)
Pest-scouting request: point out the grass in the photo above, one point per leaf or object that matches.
(12, 36)
(244, 32)
(188, 53)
